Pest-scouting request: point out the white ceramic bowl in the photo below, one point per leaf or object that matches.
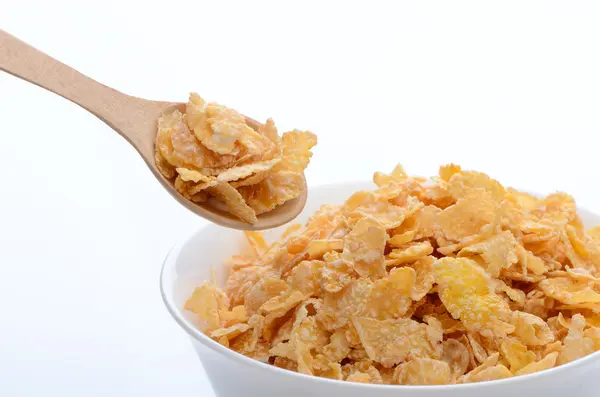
(234, 375)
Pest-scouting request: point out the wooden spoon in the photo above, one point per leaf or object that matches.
(135, 119)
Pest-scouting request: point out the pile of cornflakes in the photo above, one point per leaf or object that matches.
(212, 151)
(417, 282)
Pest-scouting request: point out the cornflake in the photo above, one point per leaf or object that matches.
(467, 217)
(531, 329)
(423, 371)
(212, 151)
(498, 252)
(391, 297)
(409, 253)
(465, 289)
(413, 283)
(390, 342)
(364, 246)
(456, 355)
(568, 291)
(517, 354)
(576, 344)
(205, 302)
(549, 361)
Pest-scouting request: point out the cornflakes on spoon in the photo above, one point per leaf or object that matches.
(211, 151)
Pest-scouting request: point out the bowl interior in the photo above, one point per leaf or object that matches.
(201, 257)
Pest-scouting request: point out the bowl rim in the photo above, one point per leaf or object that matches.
(168, 267)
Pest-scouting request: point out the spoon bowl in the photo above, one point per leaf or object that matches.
(135, 119)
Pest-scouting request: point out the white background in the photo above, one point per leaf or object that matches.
(510, 87)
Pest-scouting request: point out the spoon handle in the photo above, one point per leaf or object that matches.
(22, 60)
(122, 112)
